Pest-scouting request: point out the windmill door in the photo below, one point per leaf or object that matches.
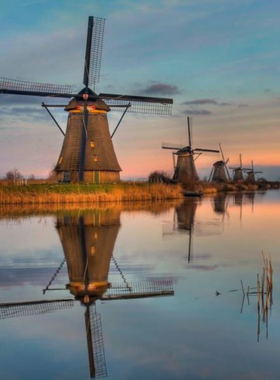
(66, 177)
(96, 177)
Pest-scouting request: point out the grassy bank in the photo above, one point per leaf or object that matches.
(83, 193)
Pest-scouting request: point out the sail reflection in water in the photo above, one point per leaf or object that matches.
(88, 241)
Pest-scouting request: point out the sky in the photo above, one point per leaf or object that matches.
(218, 60)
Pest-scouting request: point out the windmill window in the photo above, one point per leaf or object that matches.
(92, 145)
(92, 251)
(95, 158)
(60, 160)
(95, 235)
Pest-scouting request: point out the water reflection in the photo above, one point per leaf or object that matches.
(220, 204)
(88, 239)
(185, 214)
(78, 257)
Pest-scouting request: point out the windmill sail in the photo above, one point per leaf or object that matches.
(143, 289)
(139, 104)
(94, 48)
(22, 309)
(96, 352)
(18, 87)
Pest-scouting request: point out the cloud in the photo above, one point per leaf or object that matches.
(205, 101)
(197, 112)
(243, 105)
(160, 89)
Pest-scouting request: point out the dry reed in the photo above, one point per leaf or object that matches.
(61, 194)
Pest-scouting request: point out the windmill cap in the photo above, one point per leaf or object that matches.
(99, 104)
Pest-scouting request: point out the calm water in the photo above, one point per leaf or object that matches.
(81, 259)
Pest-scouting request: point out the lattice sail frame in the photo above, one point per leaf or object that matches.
(139, 290)
(98, 344)
(18, 85)
(33, 308)
(140, 107)
(96, 50)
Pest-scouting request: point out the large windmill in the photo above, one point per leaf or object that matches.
(87, 152)
(238, 171)
(251, 179)
(88, 242)
(184, 169)
(219, 172)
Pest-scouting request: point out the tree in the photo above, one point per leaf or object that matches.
(159, 177)
(13, 175)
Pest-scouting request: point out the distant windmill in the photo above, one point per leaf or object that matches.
(88, 242)
(87, 152)
(183, 223)
(219, 172)
(251, 179)
(185, 169)
(238, 171)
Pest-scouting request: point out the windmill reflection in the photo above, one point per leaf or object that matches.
(88, 241)
(220, 204)
(241, 199)
(185, 215)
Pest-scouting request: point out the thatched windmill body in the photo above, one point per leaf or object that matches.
(251, 179)
(219, 172)
(184, 169)
(87, 152)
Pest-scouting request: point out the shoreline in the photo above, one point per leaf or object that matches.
(86, 194)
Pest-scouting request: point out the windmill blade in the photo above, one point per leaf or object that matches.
(21, 309)
(96, 352)
(139, 104)
(173, 160)
(227, 171)
(93, 50)
(172, 146)
(139, 290)
(207, 150)
(18, 87)
(240, 159)
(222, 153)
(189, 122)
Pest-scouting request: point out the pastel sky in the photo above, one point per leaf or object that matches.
(218, 60)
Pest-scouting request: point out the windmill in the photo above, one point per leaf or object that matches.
(88, 242)
(238, 171)
(87, 152)
(251, 179)
(183, 223)
(185, 169)
(219, 172)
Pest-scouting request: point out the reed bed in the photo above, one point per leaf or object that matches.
(69, 194)
(264, 293)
